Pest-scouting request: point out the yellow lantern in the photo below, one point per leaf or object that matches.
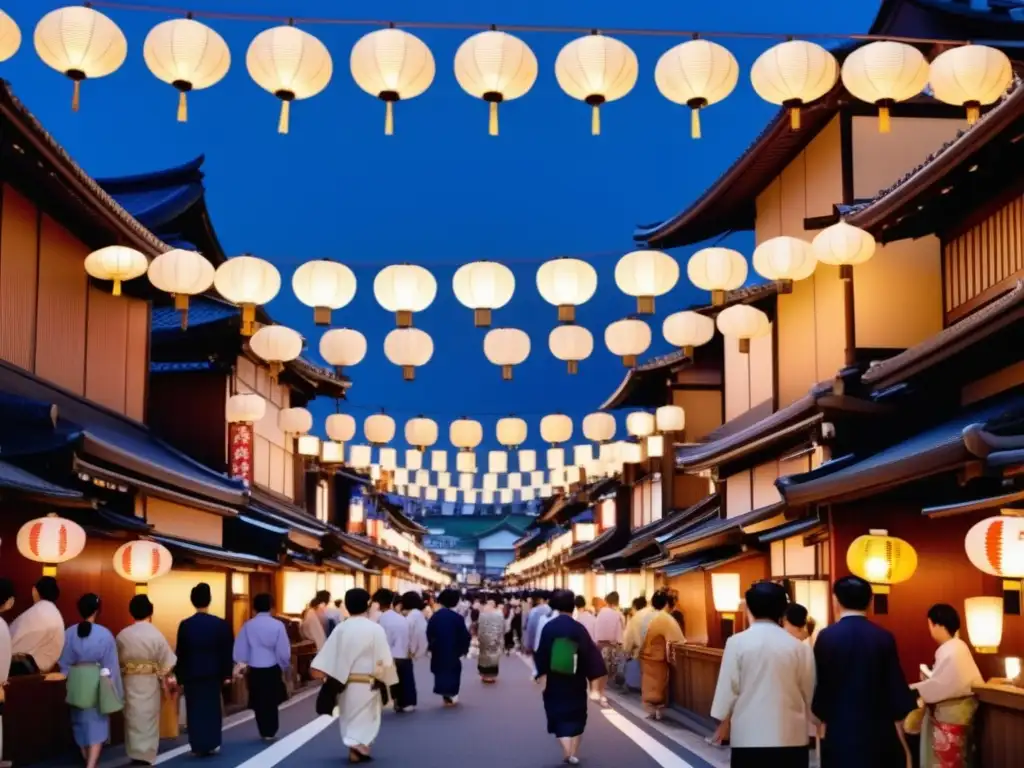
(883, 560)
(391, 64)
(142, 561)
(182, 274)
(984, 622)
(596, 69)
(10, 37)
(696, 73)
(970, 76)
(277, 345)
(289, 63)
(248, 282)
(884, 72)
(496, 67)
(725, 591)
(116, 263)
(793, 74)
(187, 55)
(324, 285)
(50, 540)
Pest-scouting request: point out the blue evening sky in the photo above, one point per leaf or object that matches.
(440, 192)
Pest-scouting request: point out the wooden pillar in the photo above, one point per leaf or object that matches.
(668, 474)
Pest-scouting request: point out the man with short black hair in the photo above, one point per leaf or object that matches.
(862, 697)
(448, 641)
(531, 624)
(263, 649)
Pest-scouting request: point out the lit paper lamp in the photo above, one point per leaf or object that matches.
(792, 74)
(80, 43)
(391, 64)
(451, 495)
(245, 408)
(379, 428)
(697, 73)
(182, 274)
(670, 418)
(483, 286)
(511, 432)
(187, 55)
(785, 259)
(725, 592)
(582, 454)
(10, 37)
(645, 275)
(996, 546)
(465, 482)
(882, 560)
(717, 270)
(248, 282)
(308, 445)
(885, 72)
(324, 285)
(497, 461)
(388, 459)
(444, 480)
(332, 452)
(970, 76)
(490, 481)
(640, 423)
(294, 421)
(515, 480)
(687, 330)
(566, 283)
(465, 461)
(506, 348)
(556, 458)
(439, 461)
(50, 540)
(431, 493)
(142, 561)
(359, 456)
(404, 289)
(340, 427)
(743, 323)
(571, 343)
(289, 63)
(596, 69)
(420, 432)
(400, 476)
(496, 67)
(409, 348)
(655, 446)
(341, 347)
(116, 263)
(277, 345)
(422, 477)
(984, 623)
(599, 427)
(628, 339)
(844, 246)
(527, 461)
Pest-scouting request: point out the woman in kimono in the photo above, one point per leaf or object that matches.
(146, 663)
(659, 631)
(448, 640)
(567, 660)
(491, 633)
(88, 644)
(357, 656)
(312, 626)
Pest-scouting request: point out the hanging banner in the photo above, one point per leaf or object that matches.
(240, 451)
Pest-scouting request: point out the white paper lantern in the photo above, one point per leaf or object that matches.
(497, 461)
(785, 259)
(984, 619)
(545, 490)
(596, 69)
(646, 274)
(50, 540)
(324, 285)
(527, 460)
(599, 427)
(556, 428)
(844, 246)
(466, 481)
(414, 462)
(527, 494)
(556, 458)
(506, 347)
(670, 418)
(515, 480)
(431, 493)
(507, 495)
(571, 343)
(697, 73)
(490, 481)
(399, 476)
(332, 452)
(248, 282)
(465, 461)
(245, 408)
(793, 74)
(360, 456)
(655, 446)
(404, 289)
(743, 322)
(409, 348)
(379, 429)
(582, 455)
(388, 459)
(294, 421)
(142, 561)
(80, 43)
(640, 423)
(444, 479)
(308, 445)
(117, 263)
(182, 274)
(483, 286)
(717, 270)
(970, 76)
(628, 338)
(10, 37)
(392, 64)
(439, 463)
(342, 347)
(496, 67)
(883, 73)
(187, 55)
(470, 496)
(566, 283)
(278, 345)
(996, 546)
(451, 495)
(340, 427)
(466, 434)
(421, 432)
(687, 330)
(537, 478)
(511, 431)
(289, 63)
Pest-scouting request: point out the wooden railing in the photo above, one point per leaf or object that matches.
(693, 677)
(1000, 725)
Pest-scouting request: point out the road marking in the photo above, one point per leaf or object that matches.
(294, 741)
(661, 754)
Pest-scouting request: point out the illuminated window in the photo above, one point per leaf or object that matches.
(321, 501)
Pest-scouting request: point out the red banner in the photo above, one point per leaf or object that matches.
(240, 451)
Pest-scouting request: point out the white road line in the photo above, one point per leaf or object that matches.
(294, 741)
(661, 754)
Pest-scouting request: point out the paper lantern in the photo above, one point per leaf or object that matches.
(515, 480)
(1012, 667)
(506, 347)
(187, 55)
(50, 540)
(340, 427)
(528, 494)
(439, 463)
(421, 432)
(10, 37)
(451, 495)
(527, 460)
(670, 418)
(556, 428)
(970, 76)
(571, 343)
(490, 481)
(182, 274)
(506, 495)
(342, 347)
(646, 274)
(308, 445)
(324, 285)
(596, 69)
(725, 592)
(248, 282)
(379, 429)
(117, 263)
(844, 246)
(511, 432)
(743, 322)
(599, 427)
(884, 72)
(277, 344)
(793, 74)
(404, 289)
(289, 63)
(582, 455)
(465, 461)
(536, 475)
(881, 559)
(697, 73)
(640, 423)
(409, 348)
(497, 461)
(359, 456)
(566, 283)
(655, 446)
(80, 43)
(465, 434)
(431, 493)
(245, 408)
(496, 67)
(483, 286)
(469, 496)
(391, 64)
(414, 461)
(556, 459)
(545, 490)
(687, 330)
(996, 546)
(388, 459)
(984, 623)
(628, 338)
(332, 452)
(142, 561)
(717, 270)
(785, 259)
(400, 476)
(294, 421)
(465, 481)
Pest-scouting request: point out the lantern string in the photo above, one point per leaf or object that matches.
(529, 28)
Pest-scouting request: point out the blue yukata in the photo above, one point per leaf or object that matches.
(565, 695)
(262, 645)
(204, 662)
(448, 640)
(90, 726)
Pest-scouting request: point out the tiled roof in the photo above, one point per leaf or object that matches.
(18, 479)
(202, 310)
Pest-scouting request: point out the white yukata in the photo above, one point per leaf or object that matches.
(356, 654)
(312, 628)
(146, 658)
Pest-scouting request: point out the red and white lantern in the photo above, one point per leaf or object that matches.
(51, 540)
(996, 546)
(142, 561)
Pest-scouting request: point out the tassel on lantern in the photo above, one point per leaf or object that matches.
(794, 118)
(181, 304)
(117, 287)
(282, 122)
(973, 112)
(695, 123)
(595, 120)
(389, 118)
(76, 95)
(492, 126)
(884, 121)
(182, 108)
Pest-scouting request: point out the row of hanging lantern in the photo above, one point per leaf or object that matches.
(392, 64)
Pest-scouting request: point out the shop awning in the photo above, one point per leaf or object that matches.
(26, 484)
(695, 562)
(1000, 501)
(603, 544)
(398, 519)
(719, 531)
(253, 536)
(790, 528)
(207, 554)
(283, 512)
(344, 563)
(644, 543)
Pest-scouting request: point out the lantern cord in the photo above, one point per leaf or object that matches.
(476, 26)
